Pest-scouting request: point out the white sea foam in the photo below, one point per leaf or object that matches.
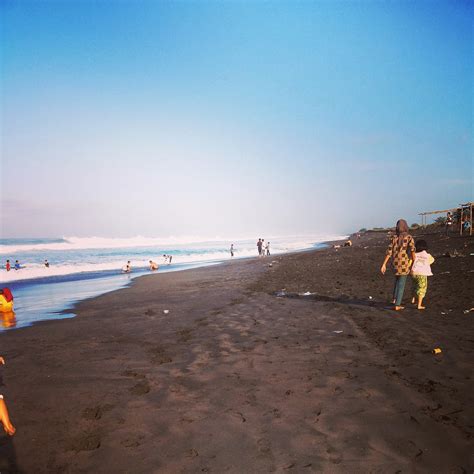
(88, 243)
(70, 262)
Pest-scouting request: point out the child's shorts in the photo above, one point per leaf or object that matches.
(421, 285)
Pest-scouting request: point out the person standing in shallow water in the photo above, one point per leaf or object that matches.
(259, 247)
(402, 252)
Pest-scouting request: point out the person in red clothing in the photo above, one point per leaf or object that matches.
(8, 266)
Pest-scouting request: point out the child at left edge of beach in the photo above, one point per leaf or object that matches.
(420, 272)
(4, 417)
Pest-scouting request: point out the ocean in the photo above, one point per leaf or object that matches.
(81, 268)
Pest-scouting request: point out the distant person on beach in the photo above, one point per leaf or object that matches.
(153, 265)
(259, 247)
(127, 268)
(4, 417)
(17, 265)
(402, 252)
(268, 249)
(465, 223)
(263, 248)
(420, 272)
(8, 266)
(46, 264)
(449, 222)
(170, 257)
(348, 243)
(231, 250)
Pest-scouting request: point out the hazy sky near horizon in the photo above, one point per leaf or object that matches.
(124, 118)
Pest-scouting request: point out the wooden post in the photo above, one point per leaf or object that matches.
(470, 211)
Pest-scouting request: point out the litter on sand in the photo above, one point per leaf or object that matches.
(444, 273)
(437, 350)
(166, 311)
(468, 310)
(280, 293)
(338, 332)
(370, 297)
(308, 293)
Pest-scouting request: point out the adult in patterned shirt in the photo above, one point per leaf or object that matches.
(402, 252)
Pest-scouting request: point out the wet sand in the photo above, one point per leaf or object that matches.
(235, 379)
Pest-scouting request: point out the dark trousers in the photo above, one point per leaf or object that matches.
(399, 288)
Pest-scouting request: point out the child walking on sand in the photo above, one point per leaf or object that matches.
(420, 272)
(402, 251)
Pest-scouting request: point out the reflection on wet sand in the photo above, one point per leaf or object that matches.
(8, 319)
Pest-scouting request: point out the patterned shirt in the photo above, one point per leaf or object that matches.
(401, 254)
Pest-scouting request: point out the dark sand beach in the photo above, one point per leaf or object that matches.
(236, 379)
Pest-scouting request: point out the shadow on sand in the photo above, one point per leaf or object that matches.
(342, 299)
(8, 463)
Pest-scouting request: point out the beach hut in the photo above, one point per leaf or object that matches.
(462, 210)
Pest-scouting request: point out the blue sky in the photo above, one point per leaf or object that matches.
(211, 118)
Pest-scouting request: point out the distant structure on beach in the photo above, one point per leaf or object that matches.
(462, 214)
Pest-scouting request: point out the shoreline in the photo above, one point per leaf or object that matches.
(235, 379)
(27, 317)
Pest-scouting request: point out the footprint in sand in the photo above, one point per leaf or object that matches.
(141, 388)
(84, 442)
(132, 373)
(334, 457)
(132, 442)
(95, 413)
(264, 445)
(192, 453)
(238, 415)
(185, 335)
(275, 412)
(158, 356)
